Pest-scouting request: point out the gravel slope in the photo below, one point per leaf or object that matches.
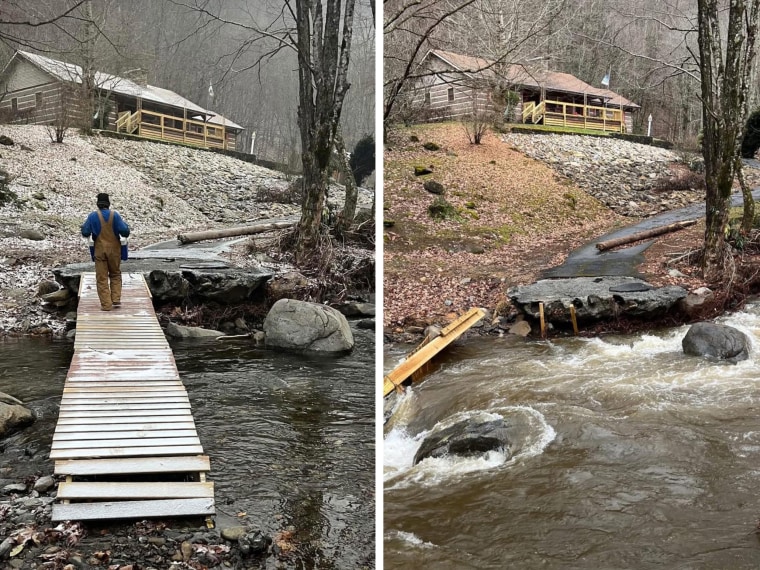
(160, 190)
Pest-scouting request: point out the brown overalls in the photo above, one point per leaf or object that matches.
(108, 264)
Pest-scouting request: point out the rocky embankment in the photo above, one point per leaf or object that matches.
(161, 190)
(630, 178)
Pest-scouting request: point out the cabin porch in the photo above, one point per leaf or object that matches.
(571, 114)
(154, 125)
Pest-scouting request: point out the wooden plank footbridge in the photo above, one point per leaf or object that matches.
(416, 364)
(126, 441)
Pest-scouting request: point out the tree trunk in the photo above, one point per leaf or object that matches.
(324, 43)
(346, 217)
(645, 234)
(191, 237)
(724, 87)
(748, 216)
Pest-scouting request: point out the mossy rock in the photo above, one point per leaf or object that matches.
(470, 205)
(389, 223)
(422, 170)
(433, 187)
(414, 139)
(431, 146)
(440, 209)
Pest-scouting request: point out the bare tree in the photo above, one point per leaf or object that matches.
(725, 75)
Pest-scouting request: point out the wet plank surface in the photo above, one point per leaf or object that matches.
(124, 411)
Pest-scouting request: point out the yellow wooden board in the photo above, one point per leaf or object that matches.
(425, 353)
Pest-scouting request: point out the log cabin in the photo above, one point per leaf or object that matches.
(453, 86)
(38, 90)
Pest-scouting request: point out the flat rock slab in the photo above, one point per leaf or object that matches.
(595, 298)
(174, 279)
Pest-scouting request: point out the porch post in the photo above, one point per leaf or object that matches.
(184, 124)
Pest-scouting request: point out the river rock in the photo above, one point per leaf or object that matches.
(695, 300)
(367, 324)
(14, 488)
(520, 328)
(46, 287)
(465, 438)
(302, 326)
(593, 298)
(178, 331)
(254, 543)
(354, 309)
(288, 285)
(234, 533)
(716, 341)
(44, 484)
(14, 416)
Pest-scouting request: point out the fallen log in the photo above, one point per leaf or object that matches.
(233, 232)
(645, 234)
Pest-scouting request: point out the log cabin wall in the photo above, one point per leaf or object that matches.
(38, 105)
(447, 97)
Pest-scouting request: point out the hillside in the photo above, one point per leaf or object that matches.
(159, 189)
(511, 215)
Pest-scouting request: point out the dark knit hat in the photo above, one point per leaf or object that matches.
(103, 200)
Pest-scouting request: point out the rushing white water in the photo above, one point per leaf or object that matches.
(629, 454)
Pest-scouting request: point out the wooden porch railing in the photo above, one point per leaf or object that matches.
(561, 114)
(154, 125)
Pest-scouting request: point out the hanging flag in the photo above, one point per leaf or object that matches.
(606, 78)
(210, 90)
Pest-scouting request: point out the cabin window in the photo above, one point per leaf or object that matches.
(38, 99)
(427, 99)
(14, 104)
(451, 94)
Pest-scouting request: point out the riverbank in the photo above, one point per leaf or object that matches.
(161, 190)
(512, 216)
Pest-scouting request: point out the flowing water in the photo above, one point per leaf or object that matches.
(627, 454)
(291, 438)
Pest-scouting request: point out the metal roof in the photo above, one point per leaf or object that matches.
(121, 85)
(527, 76)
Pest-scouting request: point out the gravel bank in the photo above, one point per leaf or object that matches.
(161, 190)
(619, 173)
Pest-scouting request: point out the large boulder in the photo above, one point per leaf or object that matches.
(465, 438)
(716, 341)
(13, 415)
(302, 326)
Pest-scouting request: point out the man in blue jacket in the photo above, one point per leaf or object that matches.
(105, 227)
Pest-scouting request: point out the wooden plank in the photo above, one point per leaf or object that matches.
(133, 509)
(124, 451)
(124, 407)
(128, 442)
(117, 387)
(122, 399)
(120, 421)
(122, 417)
(108, 427)
(124, 434)
(136, 465)
(423, 355)
(149, 490)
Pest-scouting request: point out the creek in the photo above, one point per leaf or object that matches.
(628, 454)
(291, 437)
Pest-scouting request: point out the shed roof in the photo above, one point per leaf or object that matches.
(527, 76)
(73, 73)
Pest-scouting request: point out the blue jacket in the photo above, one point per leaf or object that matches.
(91, 226)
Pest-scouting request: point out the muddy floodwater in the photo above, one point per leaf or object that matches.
(627, 454)
(291, 438)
